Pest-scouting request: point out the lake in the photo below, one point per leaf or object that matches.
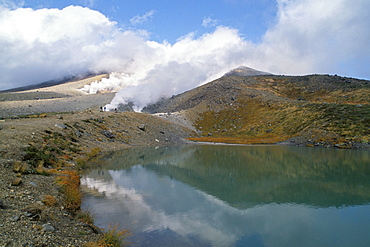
(229, 195)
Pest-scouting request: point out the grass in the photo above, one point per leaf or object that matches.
(246, 122)
(55, 153)
(36, 155)
(93, 152)
(70, 184)
(81, 162)
(49, 200)
(268, 139)
(257, 121)
(39, 115)
(112, 237)
(86, 216)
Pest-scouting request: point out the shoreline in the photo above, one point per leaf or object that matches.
(35, 153)
(80, 131)
(53, 136)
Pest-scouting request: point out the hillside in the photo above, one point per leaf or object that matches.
(56, 129)
(245, 71)
(320, 110)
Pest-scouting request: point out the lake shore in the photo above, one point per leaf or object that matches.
(65, 138)
(45, 134)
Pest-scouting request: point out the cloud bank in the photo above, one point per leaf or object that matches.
(307, 36)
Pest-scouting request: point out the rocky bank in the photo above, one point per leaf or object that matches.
(44, 135)
(47, 133)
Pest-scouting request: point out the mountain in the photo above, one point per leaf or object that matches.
(320, 110)
(51, 83)
(245, 71)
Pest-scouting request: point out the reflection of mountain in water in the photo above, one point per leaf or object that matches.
(245, 176)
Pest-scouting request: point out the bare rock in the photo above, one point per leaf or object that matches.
(47, 228)
(142, 127)
(17, 181)
(14, 218)
(60, 125)
(108, 133)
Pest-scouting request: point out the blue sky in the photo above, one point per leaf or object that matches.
(170, 20)
(160, 48)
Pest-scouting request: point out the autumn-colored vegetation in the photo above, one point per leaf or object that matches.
(325, 110)
(111, 237)
(70, 183)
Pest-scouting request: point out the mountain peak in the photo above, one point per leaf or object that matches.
(245, 71)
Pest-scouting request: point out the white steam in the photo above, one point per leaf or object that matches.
(308, 36)
(180, 67)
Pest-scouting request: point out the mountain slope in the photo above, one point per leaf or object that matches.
(245, 71)
(311, 110)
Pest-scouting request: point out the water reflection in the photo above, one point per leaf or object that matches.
(235, 196)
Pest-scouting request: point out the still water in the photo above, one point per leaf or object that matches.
(234, 195)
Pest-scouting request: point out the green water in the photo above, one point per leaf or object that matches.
(234, 195)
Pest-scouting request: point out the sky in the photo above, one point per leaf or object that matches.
(159, 48)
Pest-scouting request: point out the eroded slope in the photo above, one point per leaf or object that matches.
(312, 110)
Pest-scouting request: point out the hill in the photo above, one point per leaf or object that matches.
(320, 110)
(49, 130)
(245, 71)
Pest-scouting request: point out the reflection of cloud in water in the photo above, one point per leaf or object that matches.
(148, 202)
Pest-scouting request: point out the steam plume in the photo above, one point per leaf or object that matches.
(308, 36)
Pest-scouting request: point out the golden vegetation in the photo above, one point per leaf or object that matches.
(86, 216)
(70, 183)
(112, 237)
(49, 200)
(265, 124)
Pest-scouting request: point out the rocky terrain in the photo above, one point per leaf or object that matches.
(57, 142)
(47, 134)
(313, 110)
(40, 144)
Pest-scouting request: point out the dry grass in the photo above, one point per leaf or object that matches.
(112, 237)
(81, 162)
(300, 88)
(93, 152)
(257, 120)
(268, 139)
(86, 216)
(70, 182)
(49, 200)
(253, 121)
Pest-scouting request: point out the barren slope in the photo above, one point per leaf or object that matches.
(311, 110)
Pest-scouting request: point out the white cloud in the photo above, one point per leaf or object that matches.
(89, 3)
(186, 64)
(209, 22)
(314, 36)
(309, 36)
(11, 4)
(45, 44)
(137, 20)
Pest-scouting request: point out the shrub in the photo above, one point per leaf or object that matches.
(70, 182)
(112, 237)
(49, 200)
(86, 216)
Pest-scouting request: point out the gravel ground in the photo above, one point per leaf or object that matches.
(26, 221)
(106, 130)
(25, 217)
(67, 104)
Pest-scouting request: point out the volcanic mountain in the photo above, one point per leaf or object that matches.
(245, 71)
(244, 106)
(320, 110)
